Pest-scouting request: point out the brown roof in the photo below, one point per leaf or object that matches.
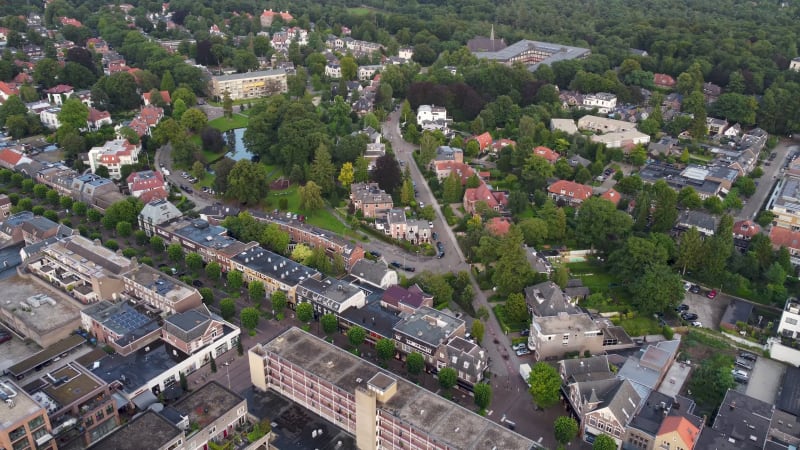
(746, 228)
(686, 429)
(783, 237)
(570, 189)
(611, 195)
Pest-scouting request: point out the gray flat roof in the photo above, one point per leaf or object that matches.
(248, 75)
(276, 266)
(140, 367)
(149, 430)
(412, 404)
(47, 354)
(338, 291)
(558, 52)
(208, 403)
(429, 325)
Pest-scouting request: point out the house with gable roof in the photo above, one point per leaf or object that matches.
(194, 329)
(569, 192)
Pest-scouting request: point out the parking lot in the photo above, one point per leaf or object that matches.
(709, 312)
(15, 351)
(765, 379)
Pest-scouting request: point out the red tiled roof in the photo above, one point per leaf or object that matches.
(284, 15)
(464, 170)
(570, 189)
(164, 96)
(499, 226)
(158, 193)
(664, 80)
(611, 195)
(685, 429)
(746, 228)
(8, 89)
(484, 140)
(60, 89)
(70, 21)
(502, 143)
(10, 157)
(96, 115)
(546, 153)
(783, 237)
(139, 126)
(483, 193)
(23, 78)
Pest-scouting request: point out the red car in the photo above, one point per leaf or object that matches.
(712, 293)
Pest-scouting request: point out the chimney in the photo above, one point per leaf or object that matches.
(733, 405)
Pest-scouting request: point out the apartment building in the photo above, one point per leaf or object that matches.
(160, 291)
(113, 155)
(157, 213)
(85, 269)
(31, 229)
(553, 336)
(380, 409)
(211, 242)
(789, 325)
(192, 330)
(603, 101)
(80, 405)
(248, 85)
(277, 272)
(785, 203)
(603, 407)
(370, 199)
(120, 326)
(329, 295)
(425, 330)
(24, 423)
(148, 185)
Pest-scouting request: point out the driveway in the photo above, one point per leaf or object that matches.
(164, 159)
(767, 181)
(709, 312)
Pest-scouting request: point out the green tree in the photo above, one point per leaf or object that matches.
(194, 262)
(274, 238)
(665, 211)
(235, 280)
(545, 384)
(448, 377)
(249, 317)
(516, 309)
(213, 271)
(194, 120)
(477, 330)
(305, 312)
(311, 197)
(566, 429)
(322, 170)
(356, 335)
(175, 252)
(452, 192)
(39, 190)
(156, 243)
(690, 256)
(600, 224)
(278, 300)
(329, 323)
(124, 229)
(407, 196)
(560, 276)
(301, 253)
(512, 271)
(712, 379)
(207, 294)
(178, 108)
(384, 348)
(256, 291)
(415, 362)
(349, 68)
(13, 106)
(658, 290)
(483, 395)
(167, 82)
(604, 442)
(428, 144)
(227, 308)
(247, 182)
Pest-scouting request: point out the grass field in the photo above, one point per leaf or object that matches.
(598, 279)
(224, 124)
(360, 11)
(323, 218)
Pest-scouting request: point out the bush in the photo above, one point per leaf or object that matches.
(112, 245)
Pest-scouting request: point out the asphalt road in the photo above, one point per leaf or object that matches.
(767, 181)
(163, 159)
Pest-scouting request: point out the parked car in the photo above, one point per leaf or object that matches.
(523, 352)
(395, 264)
(409, 269)
(712, 294)
(519, 346)
(695, 289)
(435, 236)
(375, 254)
(746, 363)
(689, 317)
(697, 324)
(682, 307)
(687, 286)
(525, 332)
(748, 355)
(4, 336)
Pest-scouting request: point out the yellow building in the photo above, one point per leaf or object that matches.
(262, 83)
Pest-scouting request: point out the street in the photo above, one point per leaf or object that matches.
(767, 181)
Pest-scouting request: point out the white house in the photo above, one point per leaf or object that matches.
(333, 70)
(795, 64)
(49, 117)
(406, 53)
(430, 113)
(603, 101)
(366, 73)
(113, 155)
(790, 320)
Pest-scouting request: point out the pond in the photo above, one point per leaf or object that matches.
(233, 139)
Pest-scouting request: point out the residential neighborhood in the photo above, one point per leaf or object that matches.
(465, 226)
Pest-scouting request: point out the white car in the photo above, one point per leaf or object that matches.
(697, 324)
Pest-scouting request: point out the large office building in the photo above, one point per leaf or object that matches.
(533, 53)
(785, 203)
(239, 86)
(379, 408)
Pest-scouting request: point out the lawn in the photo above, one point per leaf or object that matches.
(323, 218)
(359, 11)
(598, 279)
(224, 124)
(500, 313)
(638, 326)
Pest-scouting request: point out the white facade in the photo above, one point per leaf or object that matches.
(603, 101)
(790, 320)
(113, 155)
(406, 53)
(365, 73)
(429, 113)
(333, 71)
(49, 118)
(795, 64)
